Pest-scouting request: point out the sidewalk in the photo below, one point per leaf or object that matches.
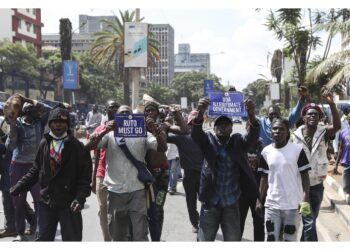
(335, 196)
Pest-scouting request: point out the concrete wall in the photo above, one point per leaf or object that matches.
(6, 24)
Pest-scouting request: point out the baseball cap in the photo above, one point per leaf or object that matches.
(222, 118)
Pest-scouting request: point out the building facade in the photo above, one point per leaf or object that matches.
(80, 42)
(162, 73)
(22, 25)
(187, 62)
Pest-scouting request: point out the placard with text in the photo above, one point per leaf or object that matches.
(226, 103)
(130, 125)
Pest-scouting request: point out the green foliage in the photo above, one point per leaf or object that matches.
(163, 94)
(191, 85)
(108, 49)
(97, 82)
(19, 60)
(257, 91)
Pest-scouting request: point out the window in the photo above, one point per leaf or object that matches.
(20, 23)
(34, 12)
(28, 24)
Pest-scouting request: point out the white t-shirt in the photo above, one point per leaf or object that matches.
(283, 166)
(172, 152)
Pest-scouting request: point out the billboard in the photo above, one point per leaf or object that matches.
(70, 74)
(135, 45)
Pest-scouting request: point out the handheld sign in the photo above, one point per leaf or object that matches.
(130, 125)
(226, 103)
(208, 85)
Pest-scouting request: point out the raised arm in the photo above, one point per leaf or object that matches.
(336, 124)
(294, 115)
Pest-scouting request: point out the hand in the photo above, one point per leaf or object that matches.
(305, 208)
(327, 95)
(151, 125)
(250, 106)
(303, 92)
(75, 207)
(14, 191)
(93, 185)
(203, 104)
(335, 170)
(110, 125)
(259, 208)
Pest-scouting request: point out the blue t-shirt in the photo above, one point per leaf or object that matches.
(344, 138)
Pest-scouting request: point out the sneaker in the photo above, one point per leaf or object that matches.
(7, 233)
(31, 230)
(195, 230)
(172, 191)
(21, 237)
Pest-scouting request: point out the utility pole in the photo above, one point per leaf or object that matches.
(135, 75)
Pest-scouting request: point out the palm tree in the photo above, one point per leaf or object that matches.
(109, 45)
(333, 70)
(287, 25)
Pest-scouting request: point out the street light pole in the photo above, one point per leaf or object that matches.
(135, 75)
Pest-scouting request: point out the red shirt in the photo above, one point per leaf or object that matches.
(101, 168)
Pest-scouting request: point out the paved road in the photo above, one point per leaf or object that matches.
(177, 227)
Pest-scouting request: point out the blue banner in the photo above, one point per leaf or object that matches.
(226, 103)
(208, 85)
(130, 125)
(70, 74)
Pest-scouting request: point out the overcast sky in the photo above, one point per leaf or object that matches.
(235, 36)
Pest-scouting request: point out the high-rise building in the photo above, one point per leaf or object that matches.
(80, 42)
(187, 62)
(22, 25)
(163, 72)
(91, 24)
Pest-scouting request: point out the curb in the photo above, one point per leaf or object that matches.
(335, 196)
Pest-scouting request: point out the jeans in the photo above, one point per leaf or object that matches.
(191, 182)
(309, 222)
(156, 210)
(126, 208)
(212, 217)
(258, 222)
(71, 223)
(101, 195)
(275, 219)
(174, 170)
(9, 212)
(17, 171)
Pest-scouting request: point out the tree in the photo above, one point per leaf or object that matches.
(287, 25)
(191, 85)
(109, 45)
(50, 69)
(163, 94)
(257, 91)
(332, 70)
(97, 82)
(18, 62)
